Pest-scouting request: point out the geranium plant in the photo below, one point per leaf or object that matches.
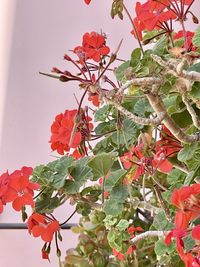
(129, 162)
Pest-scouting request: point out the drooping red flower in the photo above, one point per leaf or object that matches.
(93, 47)
(69, 129)
(39, 226)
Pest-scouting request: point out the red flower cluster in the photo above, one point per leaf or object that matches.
(93, 47)
(167, 146)
(38, 225)
(186, 199)
(69, 130)
(131, 231)
(17, 188)
(155, 14)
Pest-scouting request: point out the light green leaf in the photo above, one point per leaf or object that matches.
(196, 38)
(112, 207)
(187, 152)
(122, 225)
(120, 70)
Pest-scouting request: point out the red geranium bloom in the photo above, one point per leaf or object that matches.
(4, 185)
(39, 226)
(185, 199)
(131, 230)
(22, 189)
(87, 1)
(196, 232)
(67, 133)
(94, 98)
(135, 157)
(160, 161)
(118, 254)
(93, 47)
(17, 188)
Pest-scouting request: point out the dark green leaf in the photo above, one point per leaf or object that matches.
(101, 164)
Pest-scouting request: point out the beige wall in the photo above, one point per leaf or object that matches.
(43, 30)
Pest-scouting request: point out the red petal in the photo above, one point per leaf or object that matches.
(37, 230)
(47, 236)
(196, 232)
(165, 166)
(18, 203)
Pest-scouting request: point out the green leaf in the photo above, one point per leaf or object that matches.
(79, 176)
(188, 242)
(161, 248)
(191, 176)
(160, 222)
(142, 107)
(119, 193)
(195, 67)
(187, 152)
(113, 179)
(102, 113)
(61, 172)
(196, 38)
(101, 164)
(120, 70)
(46, 204)
(183, 119)
(105, 127)
(160, 46)
(126, 135)
(175, 177)
(195, 92)
(112, 207)
(135, 57)
(122, 225)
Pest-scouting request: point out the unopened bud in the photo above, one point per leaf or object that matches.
(63, 78)
(195, 19)
(68, 58)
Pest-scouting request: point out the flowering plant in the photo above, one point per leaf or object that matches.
(129, 162)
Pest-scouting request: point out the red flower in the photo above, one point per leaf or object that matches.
(4, 185)
(69, 130)
(94, 98)
(196, 232)
(185, 199)
(17, 188)
(160, 161)
(131, 230)
(118, 254)
(189, 35)
(39, 226)
(87, 1)
(93, 47)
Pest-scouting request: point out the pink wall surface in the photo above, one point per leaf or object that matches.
(43, 31)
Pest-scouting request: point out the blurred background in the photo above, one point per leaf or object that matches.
(34, 37)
